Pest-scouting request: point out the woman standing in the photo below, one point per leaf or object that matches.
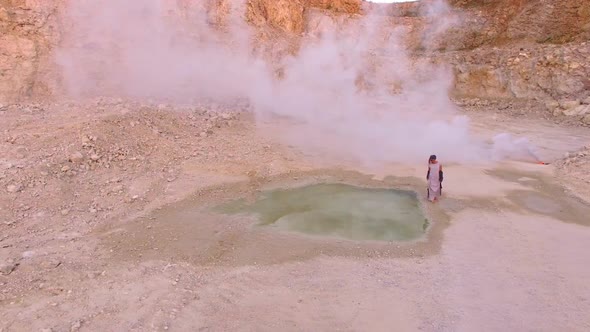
(434, 178)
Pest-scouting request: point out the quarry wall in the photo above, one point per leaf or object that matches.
(531, 49)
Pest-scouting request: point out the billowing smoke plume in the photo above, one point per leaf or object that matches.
(351, 91)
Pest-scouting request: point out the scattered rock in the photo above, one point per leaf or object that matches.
(51, 264)
(8, 267)
(557, 112)
(14, 188)
(203, 134)
(76, 157)
(551, 105)
(69, 236)
(583, 109)
(117, 189)
(569, 104)
(94, 157)
(65, 168)
(586, 101)
(65, 212)
(76, 326)
(580, 110)
(94, 274)
(21, 152)
(586, 119)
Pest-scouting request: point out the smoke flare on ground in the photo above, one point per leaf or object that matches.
(353, 92)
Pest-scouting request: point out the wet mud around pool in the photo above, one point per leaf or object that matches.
(195, 231)
(544, 196)
(254, 230)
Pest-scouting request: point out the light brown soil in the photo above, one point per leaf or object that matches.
(87, 242)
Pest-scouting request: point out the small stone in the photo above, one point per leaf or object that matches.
(203, 134)
(586, 119)
(551, 105)
(586, 101)
(65, 212)
(580, 110)
(94, 157)
(76, 326)
(65, 168)
(51, 264)
(76, 157)
(14, 188)
(583, 110)
(117, 189)
(7, 268)
(569, 104)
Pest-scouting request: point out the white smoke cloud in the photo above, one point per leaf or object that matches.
(158, 49)
(505, 146)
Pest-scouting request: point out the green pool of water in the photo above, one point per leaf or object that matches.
(339, 210)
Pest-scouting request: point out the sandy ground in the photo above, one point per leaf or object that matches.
(90, 237)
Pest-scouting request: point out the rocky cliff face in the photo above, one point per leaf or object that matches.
(532, 49)
(28, 31)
